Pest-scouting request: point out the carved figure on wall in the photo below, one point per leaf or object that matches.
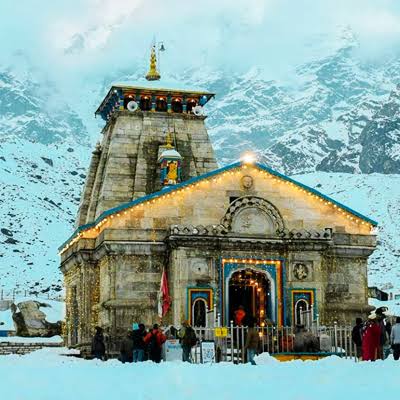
(247, 182)
(300, 271)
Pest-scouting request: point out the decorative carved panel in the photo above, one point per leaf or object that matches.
(253, 215)
(253, 221)
(302, 271)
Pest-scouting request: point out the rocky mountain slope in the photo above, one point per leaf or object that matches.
(43, 158)
(340, 115)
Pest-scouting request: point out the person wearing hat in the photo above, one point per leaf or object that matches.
(371, 339)
(138, 335)
(395, 339)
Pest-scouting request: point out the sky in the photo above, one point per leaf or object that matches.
(84, 37)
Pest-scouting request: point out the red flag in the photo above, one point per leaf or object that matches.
(164, 301)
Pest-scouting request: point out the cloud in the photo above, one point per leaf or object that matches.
(80, 37)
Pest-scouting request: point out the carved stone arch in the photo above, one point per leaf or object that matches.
(253, 215)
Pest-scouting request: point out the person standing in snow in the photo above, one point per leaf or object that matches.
(252, 342)
(126, 349)
(187, 339)
(386, 327)
(98, 346)
(356, 336)
(155, 340)
(139, 333)
(395, 339)
(371, 339)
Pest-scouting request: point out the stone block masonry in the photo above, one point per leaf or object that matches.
(23, 348)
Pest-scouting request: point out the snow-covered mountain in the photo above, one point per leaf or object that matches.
(44, 151)
(336, 114)
(339, 115)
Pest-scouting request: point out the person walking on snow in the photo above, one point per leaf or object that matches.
(395, 339)
(356, 336)
(98, 346)
(252, 342)
(155, 340)
(187, 339)
(371, 339)
(139, 334)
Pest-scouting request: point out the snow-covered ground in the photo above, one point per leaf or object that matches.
(19, 339)
(47, 375)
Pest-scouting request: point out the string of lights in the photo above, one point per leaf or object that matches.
(183, 189)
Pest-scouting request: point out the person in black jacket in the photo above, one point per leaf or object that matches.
(126, 348)
(98, 346)
(356, 336)
(139, 332)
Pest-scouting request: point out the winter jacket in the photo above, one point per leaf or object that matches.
(126, 348)
(371, 341)
(356, 335)
(187, 336)
(160, 337)
(98, 346)
(252, 339)
(138, 339)
(395, 334)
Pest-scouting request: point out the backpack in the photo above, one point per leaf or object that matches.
(153, 344)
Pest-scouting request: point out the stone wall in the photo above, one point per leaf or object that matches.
(24, 348)
(125, 166)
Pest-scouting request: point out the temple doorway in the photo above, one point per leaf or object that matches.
(250, 289)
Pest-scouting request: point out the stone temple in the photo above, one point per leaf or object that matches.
(155, 204)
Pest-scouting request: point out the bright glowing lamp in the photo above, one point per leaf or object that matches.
(248, 158)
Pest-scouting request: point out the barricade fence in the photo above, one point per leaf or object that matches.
(334, 339)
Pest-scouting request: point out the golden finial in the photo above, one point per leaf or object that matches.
(169, 141)
(153, 74)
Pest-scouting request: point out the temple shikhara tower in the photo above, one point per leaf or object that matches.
(156, 208)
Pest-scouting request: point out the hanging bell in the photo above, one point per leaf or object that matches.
(162, 48)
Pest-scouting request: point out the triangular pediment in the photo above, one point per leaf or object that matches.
(211, 192)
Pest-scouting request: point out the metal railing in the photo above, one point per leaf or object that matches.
(231, 348)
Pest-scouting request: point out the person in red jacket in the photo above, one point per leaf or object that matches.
(371, 339)
(240, 314)
(154, 340)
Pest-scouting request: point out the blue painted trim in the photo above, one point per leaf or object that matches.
(189, 300)
(197, 179)
(315, 304)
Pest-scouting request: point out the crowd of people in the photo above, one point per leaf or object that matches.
(373, 339)
(376, 337)
(141, 345)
